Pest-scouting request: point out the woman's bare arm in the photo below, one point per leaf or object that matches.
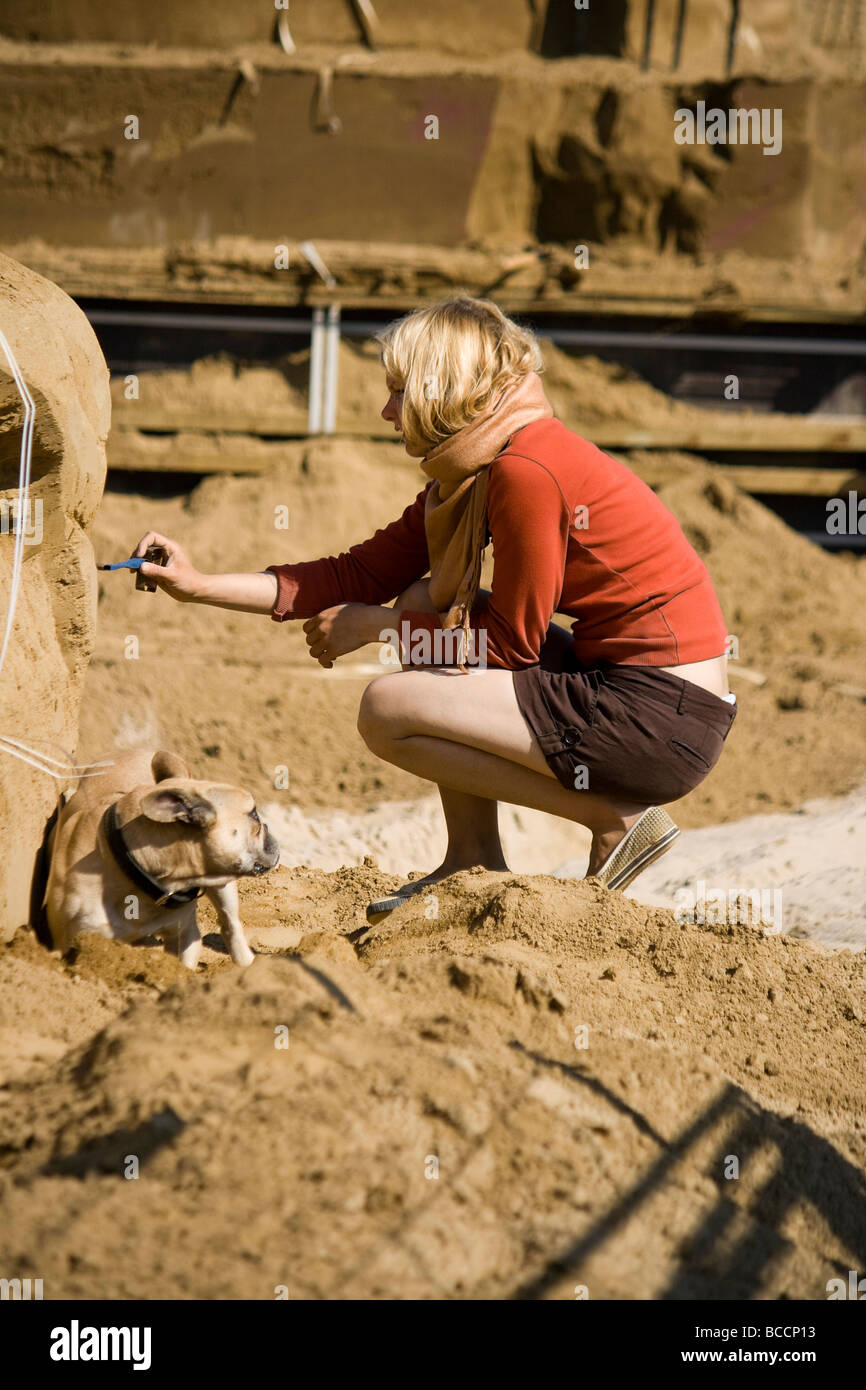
(245, 593)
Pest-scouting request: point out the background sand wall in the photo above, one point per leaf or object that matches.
(571, 152)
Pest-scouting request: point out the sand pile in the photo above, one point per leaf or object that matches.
(815, 858)
(228, 393)
(442, 1041)
(432, 1130)
(219, 383)
(799, 617)
(240, 697)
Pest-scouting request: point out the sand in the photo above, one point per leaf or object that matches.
(435, 1127)
(518, 1086)
(432, 1130)
(814, 856)
(815, 859)
(227, 393)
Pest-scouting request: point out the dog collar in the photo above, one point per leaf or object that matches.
(140, 877)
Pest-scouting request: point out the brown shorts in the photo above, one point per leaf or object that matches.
(635, 732)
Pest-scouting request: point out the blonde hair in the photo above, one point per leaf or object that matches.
(453, 360)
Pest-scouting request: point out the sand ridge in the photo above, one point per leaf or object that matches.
(445, 1044)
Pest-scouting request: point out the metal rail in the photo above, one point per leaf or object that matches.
(568, 337)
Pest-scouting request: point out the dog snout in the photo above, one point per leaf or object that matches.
(268, 856)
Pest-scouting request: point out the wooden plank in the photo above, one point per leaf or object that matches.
(753, 433)
(396, 277)
(129, 451)
(713, 430)
(228, 293)
(139, 416)
(797, 482)
(802, 482)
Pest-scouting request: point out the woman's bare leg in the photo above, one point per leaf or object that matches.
(472, 822)
(466, 733)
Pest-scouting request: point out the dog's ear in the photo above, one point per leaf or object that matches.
(176, 803)
(164, 764)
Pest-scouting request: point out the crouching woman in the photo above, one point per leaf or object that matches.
(602, 725)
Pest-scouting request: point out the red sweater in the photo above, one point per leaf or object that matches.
(573, 532)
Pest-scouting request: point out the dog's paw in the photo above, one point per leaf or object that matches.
(242, 954)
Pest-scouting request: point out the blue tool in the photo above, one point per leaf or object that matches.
(154, 555)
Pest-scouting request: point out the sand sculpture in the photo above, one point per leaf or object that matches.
(55, 617)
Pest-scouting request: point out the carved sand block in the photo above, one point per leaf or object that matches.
(51, 638)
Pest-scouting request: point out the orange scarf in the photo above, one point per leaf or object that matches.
(455, 516)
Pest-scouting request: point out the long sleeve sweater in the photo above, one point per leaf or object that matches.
(574, 532)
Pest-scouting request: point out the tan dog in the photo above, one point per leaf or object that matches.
(135, 846)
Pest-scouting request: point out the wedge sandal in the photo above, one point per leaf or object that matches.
(649, 838)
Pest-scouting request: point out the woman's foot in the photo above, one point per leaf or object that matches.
(496, 863)
(617, 857)
(378, 910)
(605, 842)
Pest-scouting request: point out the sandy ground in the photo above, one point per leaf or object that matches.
(405, 837)
(515, 1086)
(537, 1088)
(519, 1086)
(815, 857)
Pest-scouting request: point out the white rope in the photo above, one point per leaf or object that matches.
(23, 490)
(286, 41)
(58, 776)
(70, 769)
(368, 20)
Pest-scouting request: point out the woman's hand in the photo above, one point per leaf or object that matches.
(344, 628)
(178, 577)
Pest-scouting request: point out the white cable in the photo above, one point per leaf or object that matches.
(310, 253)
(332, 368)
(7, 738)
(286, 41)
(58, 777)
(317, 370)
(368, 19)
(70, 768)
(69, 773)
(23, 489)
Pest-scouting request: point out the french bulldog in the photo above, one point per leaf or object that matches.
(135, 846)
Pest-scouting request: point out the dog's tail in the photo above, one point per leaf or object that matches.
(164, 764)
